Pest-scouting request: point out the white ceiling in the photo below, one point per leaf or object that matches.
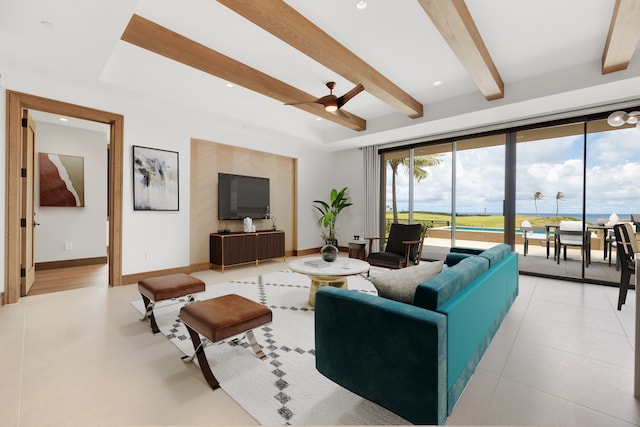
(547, 52)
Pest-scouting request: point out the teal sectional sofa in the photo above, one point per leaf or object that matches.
(416, 359)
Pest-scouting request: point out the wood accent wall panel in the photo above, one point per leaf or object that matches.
(207, 159)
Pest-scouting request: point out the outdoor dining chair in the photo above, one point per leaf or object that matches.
(535, 233)
(626, 247)
(571, 233)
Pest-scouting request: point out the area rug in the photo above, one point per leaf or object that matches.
(285, 388)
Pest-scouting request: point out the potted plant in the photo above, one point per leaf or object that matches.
(329, 213)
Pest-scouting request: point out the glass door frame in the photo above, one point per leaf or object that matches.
(509, 203)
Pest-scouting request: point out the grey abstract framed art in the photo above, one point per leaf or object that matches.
(155, 179)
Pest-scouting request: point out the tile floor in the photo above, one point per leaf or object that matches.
(563, 357)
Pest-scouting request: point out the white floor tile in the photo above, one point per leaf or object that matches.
(563, 356)
(601, 386)
(517, 404)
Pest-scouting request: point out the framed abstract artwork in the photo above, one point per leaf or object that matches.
(155, 179)
(61, 180)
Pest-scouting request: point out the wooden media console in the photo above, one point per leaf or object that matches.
(227, 249)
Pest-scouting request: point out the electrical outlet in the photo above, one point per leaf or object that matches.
(68, 246)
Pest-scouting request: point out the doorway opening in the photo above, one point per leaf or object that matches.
(17, 104)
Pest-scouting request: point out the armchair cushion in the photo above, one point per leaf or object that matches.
(400, 285)
(385, 259)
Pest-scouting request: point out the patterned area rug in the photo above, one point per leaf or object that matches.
(286, 388)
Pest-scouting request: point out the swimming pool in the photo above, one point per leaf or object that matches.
(486, 229)
(475, 233)
(473, 228)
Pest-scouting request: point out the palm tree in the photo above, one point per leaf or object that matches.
(559, 196)
(537, 196)
(419, 173)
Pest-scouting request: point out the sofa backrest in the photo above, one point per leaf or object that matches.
(441, 288)
(496, 253)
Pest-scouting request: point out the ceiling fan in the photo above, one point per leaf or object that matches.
(331, 102)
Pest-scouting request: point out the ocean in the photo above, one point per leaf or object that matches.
(590, 218)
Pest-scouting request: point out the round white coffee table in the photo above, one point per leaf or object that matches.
(324, 273)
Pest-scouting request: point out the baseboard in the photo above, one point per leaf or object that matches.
(316, 251)
(198, 267)
(52, 265)
(305, 252)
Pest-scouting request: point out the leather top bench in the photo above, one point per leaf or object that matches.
(167, 287)
(219, 318)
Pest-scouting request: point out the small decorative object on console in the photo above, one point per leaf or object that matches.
(329, 253)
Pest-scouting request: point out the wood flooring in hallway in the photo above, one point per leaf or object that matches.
(64, 279)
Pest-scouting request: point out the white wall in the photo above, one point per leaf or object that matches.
(84, 228)
(348, 166)
(154, 123)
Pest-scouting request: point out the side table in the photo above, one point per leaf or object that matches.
(357, 249)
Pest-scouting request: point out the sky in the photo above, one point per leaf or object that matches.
(548, 166)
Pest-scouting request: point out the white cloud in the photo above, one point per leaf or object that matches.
(549, 166)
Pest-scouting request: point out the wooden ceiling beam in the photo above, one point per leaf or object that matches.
(623, 37)
(284, 22)
(155, 38)
(453, 20)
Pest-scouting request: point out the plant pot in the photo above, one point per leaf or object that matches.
(333, 242)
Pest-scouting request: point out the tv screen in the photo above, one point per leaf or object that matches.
(242, 196)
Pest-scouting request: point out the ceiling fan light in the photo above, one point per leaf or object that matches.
(633, 117)
(331, 107)
(617, 118)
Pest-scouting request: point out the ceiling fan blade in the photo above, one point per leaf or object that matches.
(327, 99)
(347, 96)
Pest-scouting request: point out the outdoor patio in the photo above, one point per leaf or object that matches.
(536, 261)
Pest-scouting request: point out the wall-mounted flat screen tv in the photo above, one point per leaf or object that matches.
(242, 196)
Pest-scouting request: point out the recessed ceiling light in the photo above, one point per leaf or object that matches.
(64, 119)
(229, 84)
(318, 118)
(437, 83)
(361, 4)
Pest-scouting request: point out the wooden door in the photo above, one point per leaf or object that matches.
(27, 220)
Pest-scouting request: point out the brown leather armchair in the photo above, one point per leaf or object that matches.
(403, 246)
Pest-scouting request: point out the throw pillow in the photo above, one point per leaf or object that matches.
(400, 285)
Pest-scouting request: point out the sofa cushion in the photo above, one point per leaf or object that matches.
(400, 285)
(453, 258)
(439, 289)
(496, 253)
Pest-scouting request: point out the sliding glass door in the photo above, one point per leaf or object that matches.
(479, 191)
(418, 185)
(612, 191)
(551, 191)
